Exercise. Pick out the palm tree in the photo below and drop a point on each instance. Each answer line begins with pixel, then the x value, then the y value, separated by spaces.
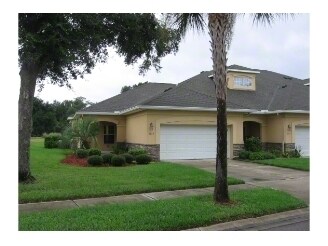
pixel 220 30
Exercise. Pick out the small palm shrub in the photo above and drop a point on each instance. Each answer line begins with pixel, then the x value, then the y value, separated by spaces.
pixel 95 160
pixel 128 158
pixel 107 158
pixel 82 153
pixel 253 144
pixel 137 151
pixel 143 159
pixel 94 151
pixel 118 160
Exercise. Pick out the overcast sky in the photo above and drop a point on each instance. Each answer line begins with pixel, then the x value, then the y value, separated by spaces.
pixel 282 47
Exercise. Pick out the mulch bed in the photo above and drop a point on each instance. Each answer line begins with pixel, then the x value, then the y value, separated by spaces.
pixel 75 161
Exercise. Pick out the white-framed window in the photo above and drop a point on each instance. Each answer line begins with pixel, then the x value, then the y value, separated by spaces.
pixel 109 134
pixel 242 81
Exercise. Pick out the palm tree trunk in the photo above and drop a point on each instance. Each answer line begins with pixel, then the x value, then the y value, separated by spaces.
pixel 219 25
pixel 25 108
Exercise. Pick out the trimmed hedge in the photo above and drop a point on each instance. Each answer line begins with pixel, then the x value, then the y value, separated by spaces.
pixel 118 160
pixel 82 153
pixel 51 140
pixel 95 160
pixel 128 158
pixel 143 159
pixel 107 158
pixel 137 151
pixel 94 151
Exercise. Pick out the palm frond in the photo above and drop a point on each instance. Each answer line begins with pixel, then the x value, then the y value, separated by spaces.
pixel 269 18
pixel 185 21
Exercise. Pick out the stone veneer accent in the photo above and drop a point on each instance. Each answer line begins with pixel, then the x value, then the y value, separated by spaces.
pixel 289 146
pixel 271 146
pixel 153 149
pixel 237 148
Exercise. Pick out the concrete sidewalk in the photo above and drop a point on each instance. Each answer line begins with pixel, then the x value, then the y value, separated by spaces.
pixel 294 220
pixel 152 196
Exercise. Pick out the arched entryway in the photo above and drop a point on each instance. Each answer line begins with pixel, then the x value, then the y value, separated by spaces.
pixel 251 129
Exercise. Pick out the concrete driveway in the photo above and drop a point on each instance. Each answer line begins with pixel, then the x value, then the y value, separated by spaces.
pixel 292 181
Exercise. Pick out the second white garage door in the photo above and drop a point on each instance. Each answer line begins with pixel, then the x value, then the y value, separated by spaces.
pixel 189 142
pixel 302 139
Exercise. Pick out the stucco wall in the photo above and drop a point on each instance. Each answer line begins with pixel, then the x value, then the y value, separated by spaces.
pixel 144 127
pixel 136 128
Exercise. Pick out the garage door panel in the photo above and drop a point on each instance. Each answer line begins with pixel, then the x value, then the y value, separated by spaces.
pixel 188 142
pixel 302 139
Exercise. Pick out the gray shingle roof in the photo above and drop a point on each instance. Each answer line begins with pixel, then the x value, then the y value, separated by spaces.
pixel 274 91
pixel 129 98
pixel 199 91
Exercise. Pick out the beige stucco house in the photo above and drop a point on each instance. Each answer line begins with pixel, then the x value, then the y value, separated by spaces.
pixel 179 121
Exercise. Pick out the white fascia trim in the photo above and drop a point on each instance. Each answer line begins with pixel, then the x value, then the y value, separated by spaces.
pixel 282 112
pixel 141 107
pixel 98 113
pixel 189 108
pixel 239 71
pixel 242 71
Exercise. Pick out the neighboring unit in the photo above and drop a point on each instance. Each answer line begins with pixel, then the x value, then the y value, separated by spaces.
pixel 179 121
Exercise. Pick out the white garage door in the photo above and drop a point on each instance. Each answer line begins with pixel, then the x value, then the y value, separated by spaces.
pixel 302 139
pixel 188 142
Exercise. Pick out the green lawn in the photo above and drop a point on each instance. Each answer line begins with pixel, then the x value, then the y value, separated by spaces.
pixel 57 181
pixel 294 163
pixel 173 214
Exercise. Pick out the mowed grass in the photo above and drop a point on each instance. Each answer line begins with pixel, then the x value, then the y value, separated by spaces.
pixel 57 181
pixel 174 214
pixel 302 164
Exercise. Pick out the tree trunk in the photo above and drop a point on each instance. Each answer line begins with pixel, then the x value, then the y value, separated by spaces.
pixel 219 25
pixel 25 107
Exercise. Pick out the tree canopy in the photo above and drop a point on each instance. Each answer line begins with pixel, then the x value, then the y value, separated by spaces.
pixel 52 117
pixel 129 87
pixel 65 46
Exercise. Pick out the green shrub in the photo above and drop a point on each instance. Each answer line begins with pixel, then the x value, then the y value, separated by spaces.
pixel 244 154
pixel 277 153
pixel 94 151
pixel 82 153
pixel 119 148
pixel 268 155
pixel 256 156
pixel 143 159
pixel 128 158
pixel 261 155
pixel 118 160
pixel 296 153
pixel 107 158
pixel 95 160
pixel 137 151
pixel 51 140
pixel 253 144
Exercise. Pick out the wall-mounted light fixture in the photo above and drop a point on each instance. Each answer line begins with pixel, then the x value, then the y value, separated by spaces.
pixel 151 127
pixel 289 127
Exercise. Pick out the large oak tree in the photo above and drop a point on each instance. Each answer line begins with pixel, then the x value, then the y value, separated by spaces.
pixel 60 47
